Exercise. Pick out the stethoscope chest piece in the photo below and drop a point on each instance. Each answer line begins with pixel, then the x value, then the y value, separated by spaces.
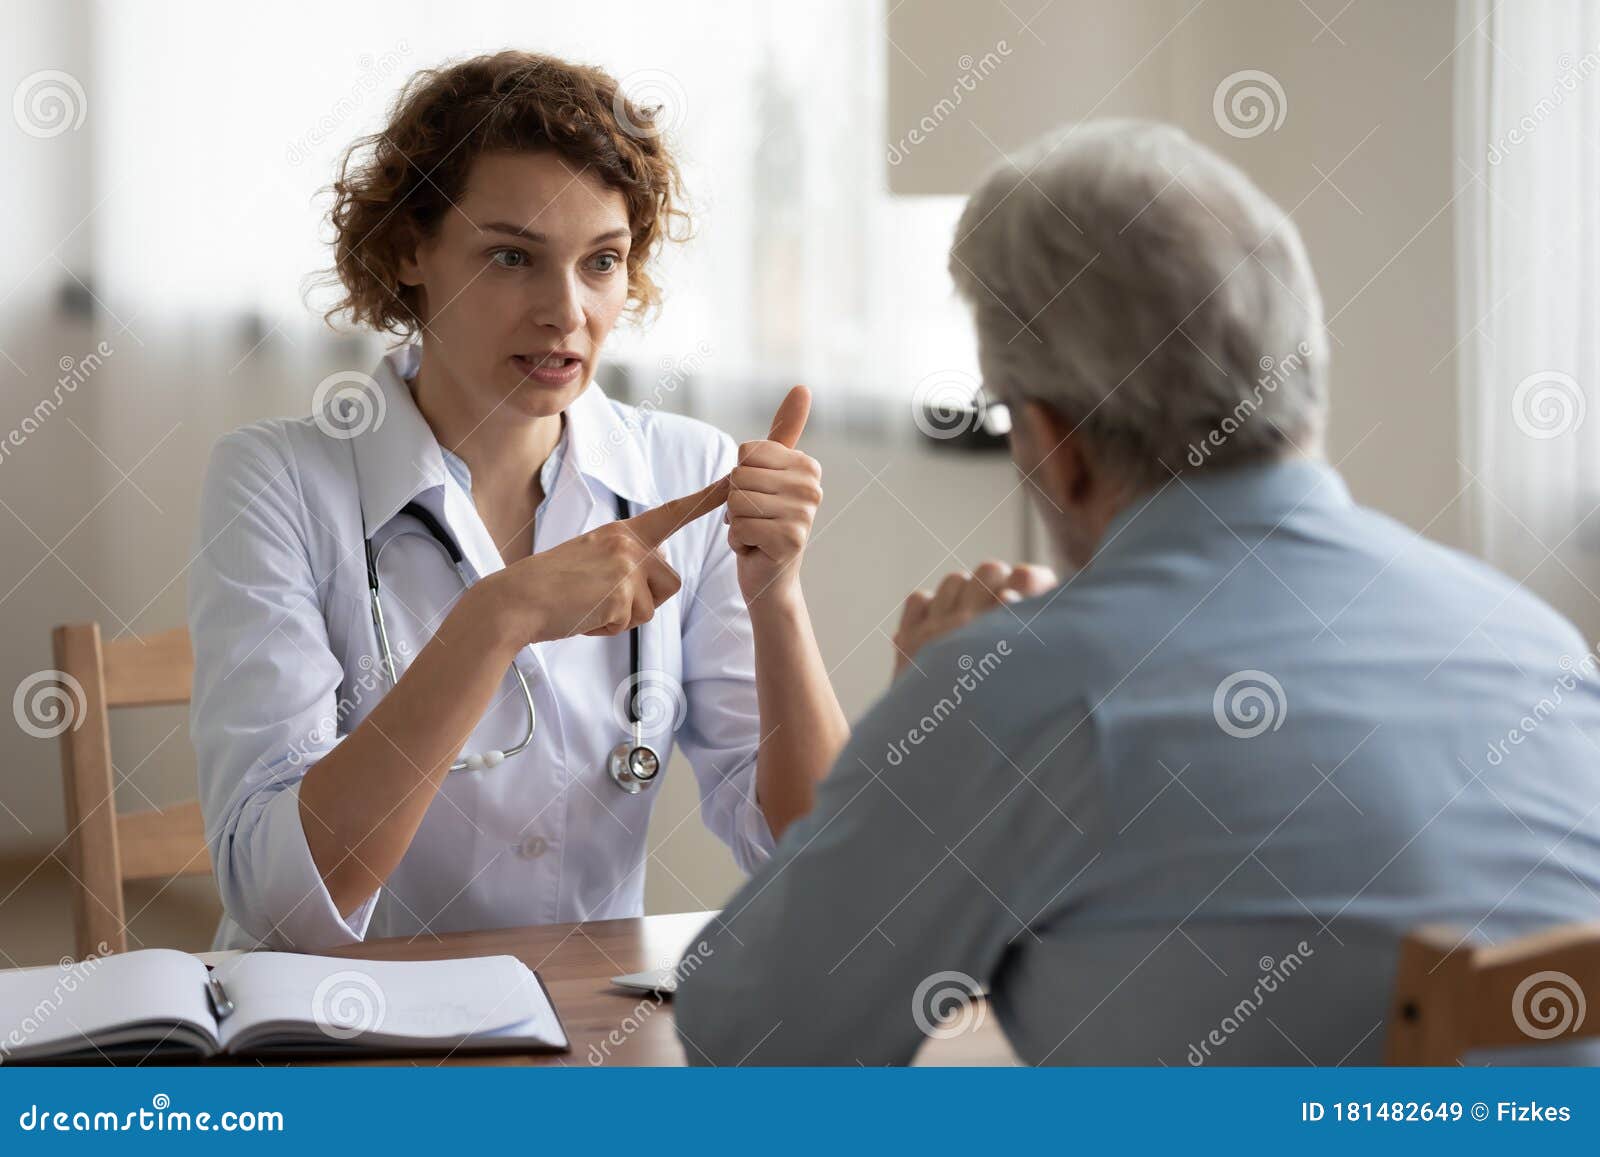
pixel 634 764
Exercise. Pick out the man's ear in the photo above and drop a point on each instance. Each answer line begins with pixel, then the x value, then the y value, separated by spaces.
pixel 1054 454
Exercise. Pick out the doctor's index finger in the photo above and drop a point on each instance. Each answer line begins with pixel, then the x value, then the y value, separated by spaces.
pixel 660 523
pixel 790 420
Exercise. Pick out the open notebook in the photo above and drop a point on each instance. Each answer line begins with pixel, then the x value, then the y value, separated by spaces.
pixel 157 1002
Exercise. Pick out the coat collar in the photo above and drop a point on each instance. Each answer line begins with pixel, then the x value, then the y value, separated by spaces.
pixel 398 458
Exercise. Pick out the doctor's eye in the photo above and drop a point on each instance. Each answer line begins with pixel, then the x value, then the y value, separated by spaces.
pixel 522 258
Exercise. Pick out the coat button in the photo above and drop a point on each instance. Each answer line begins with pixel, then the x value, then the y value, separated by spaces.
pixel 533 847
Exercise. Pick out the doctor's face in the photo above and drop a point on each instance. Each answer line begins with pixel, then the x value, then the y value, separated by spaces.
pixel 522 282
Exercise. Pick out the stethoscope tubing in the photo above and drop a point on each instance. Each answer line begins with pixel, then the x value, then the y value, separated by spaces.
pixel 633 764
pixel 477 761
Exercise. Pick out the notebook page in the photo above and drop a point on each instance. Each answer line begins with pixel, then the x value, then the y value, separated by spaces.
pixel 323 999
pixel 544 1027
pixel 50 1009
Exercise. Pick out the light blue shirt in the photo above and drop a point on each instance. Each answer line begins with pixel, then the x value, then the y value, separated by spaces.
pixel 548 473
pixel 1182 809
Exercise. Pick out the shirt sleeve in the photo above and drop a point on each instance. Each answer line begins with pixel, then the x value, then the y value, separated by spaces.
pixel 722 726
pixel 264 706
pixel 949 828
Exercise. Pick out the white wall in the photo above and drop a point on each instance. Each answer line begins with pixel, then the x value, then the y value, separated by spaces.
pixel 1368 102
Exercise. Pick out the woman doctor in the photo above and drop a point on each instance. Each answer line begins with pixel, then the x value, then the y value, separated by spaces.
pixel 503 222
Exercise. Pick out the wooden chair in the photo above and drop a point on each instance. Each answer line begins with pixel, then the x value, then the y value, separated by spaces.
pixel 104 848
pixel 1452 997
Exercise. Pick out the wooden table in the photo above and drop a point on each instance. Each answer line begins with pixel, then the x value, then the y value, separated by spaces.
pixel 577 962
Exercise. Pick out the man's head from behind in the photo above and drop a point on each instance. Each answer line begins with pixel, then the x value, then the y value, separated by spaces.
pixel 1145 311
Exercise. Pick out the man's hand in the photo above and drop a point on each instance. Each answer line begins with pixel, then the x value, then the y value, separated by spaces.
pixel 962 597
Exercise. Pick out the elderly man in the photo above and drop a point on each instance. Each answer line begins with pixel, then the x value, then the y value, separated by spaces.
pixel 1181 808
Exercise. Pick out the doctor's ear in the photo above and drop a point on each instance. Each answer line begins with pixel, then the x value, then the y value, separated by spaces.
pixel 410 269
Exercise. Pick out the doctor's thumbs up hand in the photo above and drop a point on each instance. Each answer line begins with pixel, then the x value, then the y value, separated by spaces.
pixel 773 496
pixel 601 583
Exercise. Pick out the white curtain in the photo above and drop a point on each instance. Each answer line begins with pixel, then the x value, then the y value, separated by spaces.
pixel 1528 246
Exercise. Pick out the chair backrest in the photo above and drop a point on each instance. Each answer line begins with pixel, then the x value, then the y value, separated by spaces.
pixel 1451 997
pixel 104 848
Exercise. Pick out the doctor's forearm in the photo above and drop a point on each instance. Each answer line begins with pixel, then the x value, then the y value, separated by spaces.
pixel 803 728
pixel 362 803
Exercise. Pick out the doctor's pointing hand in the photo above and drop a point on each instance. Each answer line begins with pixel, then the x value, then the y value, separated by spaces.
pixel 613 578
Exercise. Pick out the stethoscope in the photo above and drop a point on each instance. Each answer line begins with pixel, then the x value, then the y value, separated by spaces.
pixel 633 763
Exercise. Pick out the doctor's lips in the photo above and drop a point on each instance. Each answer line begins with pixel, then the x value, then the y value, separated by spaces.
pixel 549 367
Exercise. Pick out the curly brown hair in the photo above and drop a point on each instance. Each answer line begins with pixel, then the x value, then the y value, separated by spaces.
pixel 395 185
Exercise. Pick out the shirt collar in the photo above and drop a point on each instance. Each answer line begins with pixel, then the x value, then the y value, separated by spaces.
pixel 547 473
pixel 1261 496
pixel 398 457
pixel 607 448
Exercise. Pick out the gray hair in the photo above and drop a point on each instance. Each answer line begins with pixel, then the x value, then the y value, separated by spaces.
pixel 1144 289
